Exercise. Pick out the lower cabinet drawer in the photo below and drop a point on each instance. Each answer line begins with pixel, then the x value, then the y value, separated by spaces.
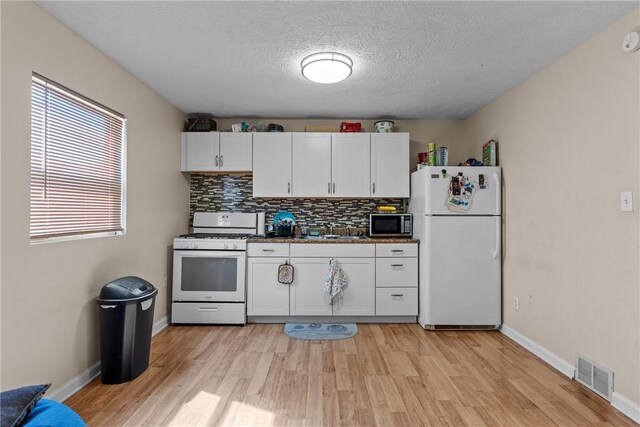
pixel 397 272
pixel 396 301
pixel 209 313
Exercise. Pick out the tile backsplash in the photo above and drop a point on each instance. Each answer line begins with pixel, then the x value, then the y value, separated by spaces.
pixel 233 193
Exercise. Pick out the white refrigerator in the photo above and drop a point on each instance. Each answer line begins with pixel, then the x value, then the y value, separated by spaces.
pixel 457 217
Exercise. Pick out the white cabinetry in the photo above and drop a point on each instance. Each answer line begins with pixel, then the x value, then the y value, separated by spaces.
pixel 397 279
pixel 331 165
pixel 200 151
pixel 350 165
pixel 300 164
pixel 390 165
pixel 311 164
pixel 265 295
pixel 307 296
pixel 235 151
pixel 272 164
pixel 311 263
pixel 382 279
pixel 216 152
pixel 359 296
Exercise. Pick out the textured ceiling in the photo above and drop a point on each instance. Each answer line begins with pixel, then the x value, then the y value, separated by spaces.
pixel 411 59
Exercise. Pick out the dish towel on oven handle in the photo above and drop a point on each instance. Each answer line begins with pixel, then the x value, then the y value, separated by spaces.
pixel 335 281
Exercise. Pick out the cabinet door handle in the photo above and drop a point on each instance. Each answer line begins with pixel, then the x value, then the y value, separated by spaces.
pixel 329 188
pixel 288 187
pixel 397 265
pixel 207 308
pixel 268 250
pixel 217 161
pixel 397 295
pixel 397 251
pixel 220 160
pixel 334 188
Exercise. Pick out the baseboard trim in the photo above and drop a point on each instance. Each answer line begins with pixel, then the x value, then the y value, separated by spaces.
pixel 331 319
pixel 69 388
pixel 75 384
pixel 160 325
pixel 626 406
pixel 618 401
pixel 543 353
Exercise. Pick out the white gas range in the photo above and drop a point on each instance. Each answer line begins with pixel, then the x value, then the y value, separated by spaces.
pixel 209 268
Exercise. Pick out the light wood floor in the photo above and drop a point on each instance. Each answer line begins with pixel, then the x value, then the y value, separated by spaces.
pixel 387 375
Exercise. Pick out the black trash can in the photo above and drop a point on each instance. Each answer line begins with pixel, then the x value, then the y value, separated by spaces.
pixel 126 319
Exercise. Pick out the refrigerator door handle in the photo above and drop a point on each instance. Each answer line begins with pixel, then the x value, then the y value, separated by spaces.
pixel 496 182
pixel 497 247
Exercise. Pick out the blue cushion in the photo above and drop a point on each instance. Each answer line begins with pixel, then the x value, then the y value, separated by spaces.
pixel 15 404
pixel 51 413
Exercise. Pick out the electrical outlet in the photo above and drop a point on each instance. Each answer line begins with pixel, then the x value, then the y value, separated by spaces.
pixel 516 303
pixel 626 201
pixel 530 296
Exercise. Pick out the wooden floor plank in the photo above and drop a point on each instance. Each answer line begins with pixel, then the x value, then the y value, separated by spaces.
pixel 386 375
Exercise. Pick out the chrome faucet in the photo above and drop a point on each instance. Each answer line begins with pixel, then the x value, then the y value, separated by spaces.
pixel 348 230
pixel 331 228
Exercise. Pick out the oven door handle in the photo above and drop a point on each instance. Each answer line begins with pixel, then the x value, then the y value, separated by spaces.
pixel 205 253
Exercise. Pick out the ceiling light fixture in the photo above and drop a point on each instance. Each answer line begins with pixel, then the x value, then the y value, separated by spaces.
pixel 326 67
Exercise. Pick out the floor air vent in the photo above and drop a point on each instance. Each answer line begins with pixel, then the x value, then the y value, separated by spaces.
pixel 594 376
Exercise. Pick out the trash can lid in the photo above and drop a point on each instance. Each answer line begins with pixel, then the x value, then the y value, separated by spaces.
pixel 130 287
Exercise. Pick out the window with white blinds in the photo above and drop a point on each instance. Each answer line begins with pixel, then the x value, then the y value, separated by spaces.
pixel 77 164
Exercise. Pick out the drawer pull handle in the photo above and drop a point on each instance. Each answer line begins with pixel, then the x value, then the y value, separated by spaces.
pixel 268 250
pixel 207 308
pixel 397 265
pixel 397 295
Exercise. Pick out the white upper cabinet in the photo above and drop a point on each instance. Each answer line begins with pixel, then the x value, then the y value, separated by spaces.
pixel 235 151
pixel 311 164
pixel 300 164
pixel 272 164
pixel 200 151
pixel 216 151
pixel 350 164
pixel 390 165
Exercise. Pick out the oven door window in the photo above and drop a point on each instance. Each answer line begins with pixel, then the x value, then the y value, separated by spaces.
pixel 209 274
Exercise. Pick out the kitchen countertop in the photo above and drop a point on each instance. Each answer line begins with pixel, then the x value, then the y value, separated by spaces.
pixel 339 241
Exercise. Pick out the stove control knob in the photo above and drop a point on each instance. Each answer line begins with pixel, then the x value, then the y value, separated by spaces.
pixel 194 246
pixel 226 246
pixel 235 246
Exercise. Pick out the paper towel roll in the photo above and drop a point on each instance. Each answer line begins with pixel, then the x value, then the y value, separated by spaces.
pixel 261 223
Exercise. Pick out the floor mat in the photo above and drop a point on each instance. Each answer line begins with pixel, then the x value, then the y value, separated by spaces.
pixel 320 331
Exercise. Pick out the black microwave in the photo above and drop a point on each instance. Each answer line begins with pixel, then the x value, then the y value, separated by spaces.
pixel 390 225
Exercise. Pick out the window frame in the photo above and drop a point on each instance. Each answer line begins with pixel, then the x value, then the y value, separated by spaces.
pixel 91 104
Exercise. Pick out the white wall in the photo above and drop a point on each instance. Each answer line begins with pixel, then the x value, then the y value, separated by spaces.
pixel 49 319
pixel 569 144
